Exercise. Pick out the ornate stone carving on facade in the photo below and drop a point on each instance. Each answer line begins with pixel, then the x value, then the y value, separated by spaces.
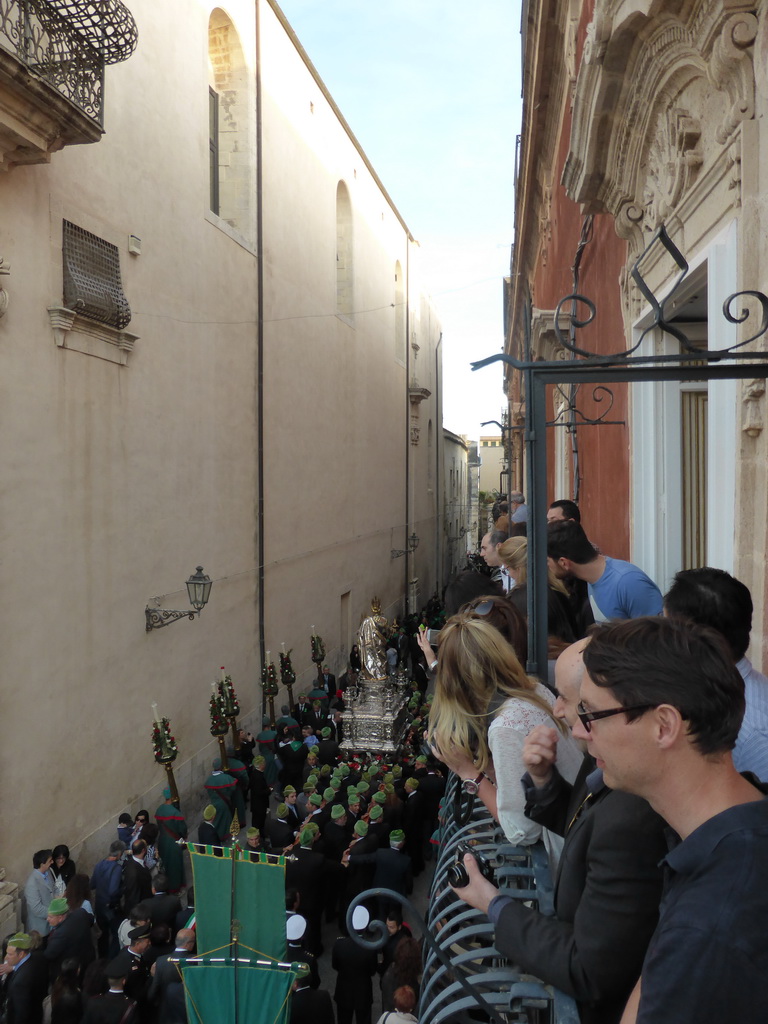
pixel 753 406
pixel 415 431
pixel 4 271
pixel 730 70
pixel 545 222
pixel 655 101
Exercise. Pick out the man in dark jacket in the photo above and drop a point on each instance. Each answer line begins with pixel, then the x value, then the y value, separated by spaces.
pixel 308 1004
pixel 355 968
pixel 27 983
pixel 137 880
pixel 392 867
pixel 164 906
pixel 608 884
pixel 106 881
pixel 306 873
pixel 70 936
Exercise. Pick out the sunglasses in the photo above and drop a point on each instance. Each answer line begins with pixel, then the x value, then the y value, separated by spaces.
pixel 588 717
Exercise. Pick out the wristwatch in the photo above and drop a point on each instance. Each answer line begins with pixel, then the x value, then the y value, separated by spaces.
pixel 472 785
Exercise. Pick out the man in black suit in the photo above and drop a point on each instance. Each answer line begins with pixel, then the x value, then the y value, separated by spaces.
pixel 165 972
pixel 137 976
pixel 137 880
pixel 164 905
pixel 308 1004
pixel 329 682
pixel 392 867
pixel 414 811
pixel 27 984
pixel 608 884
pixel 307 874
pixel 279 832
pixel 355 967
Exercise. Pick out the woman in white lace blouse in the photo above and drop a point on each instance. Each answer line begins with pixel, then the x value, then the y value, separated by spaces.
pixel 484 707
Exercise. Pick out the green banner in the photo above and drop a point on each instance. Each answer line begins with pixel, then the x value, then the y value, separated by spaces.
pixel 241 994
pixel 258 906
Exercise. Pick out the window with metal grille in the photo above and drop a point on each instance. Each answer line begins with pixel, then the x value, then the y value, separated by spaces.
pixel 92 285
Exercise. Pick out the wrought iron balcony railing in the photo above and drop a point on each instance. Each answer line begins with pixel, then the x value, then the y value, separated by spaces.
pixel 67 43
pixel 465 978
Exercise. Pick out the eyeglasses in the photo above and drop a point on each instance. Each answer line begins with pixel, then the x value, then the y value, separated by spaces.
pixel 588 717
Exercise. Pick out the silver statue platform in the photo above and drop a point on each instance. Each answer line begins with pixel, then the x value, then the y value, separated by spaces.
pixel 376 719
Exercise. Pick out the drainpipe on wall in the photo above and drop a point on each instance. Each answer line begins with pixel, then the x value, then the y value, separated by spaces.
pixel 408 552
pixel 260 359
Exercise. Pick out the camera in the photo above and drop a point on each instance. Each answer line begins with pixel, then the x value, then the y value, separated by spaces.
pixel 433 637
pixel 457 875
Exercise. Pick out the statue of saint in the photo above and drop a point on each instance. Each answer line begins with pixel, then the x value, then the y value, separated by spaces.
pixel 372 640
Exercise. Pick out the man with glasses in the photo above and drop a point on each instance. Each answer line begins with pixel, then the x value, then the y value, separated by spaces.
pixel 608 883
pixel 661 708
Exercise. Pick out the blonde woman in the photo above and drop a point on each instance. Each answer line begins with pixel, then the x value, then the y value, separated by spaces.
pixel 484 707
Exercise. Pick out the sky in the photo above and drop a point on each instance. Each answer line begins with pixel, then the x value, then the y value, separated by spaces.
pixel 431 89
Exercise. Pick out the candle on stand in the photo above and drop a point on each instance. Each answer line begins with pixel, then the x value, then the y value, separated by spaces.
pixel 222 673
pixel 313 630
pixel 155 712
pixel 267 657
pixel 283 646
pixel 215 689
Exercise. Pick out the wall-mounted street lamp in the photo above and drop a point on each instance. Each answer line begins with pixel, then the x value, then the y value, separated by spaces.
pixel 413 543
pixel 199 590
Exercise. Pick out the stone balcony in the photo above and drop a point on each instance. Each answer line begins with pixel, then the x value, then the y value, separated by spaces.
pixel 52 59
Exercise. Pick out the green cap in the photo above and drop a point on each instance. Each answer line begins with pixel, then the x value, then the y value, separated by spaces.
pixel 389 788
pixel 344 770
pixel 396 835
pixel 20 941
pixel 312 827
pixel 325 770
pixel 421 759
pixel 337 811
pixel 58 906
pixel 363 787
pixel 389 777
pixel 312 780
pixel 287 790
pixel 316 800
pixel 361 828
pixel 329 794
pixel 306 836
pixel 209 812
pixel 259 762
pixel 282 810
pixel 397 771
pixel 379 798
pixel 412 783
pixel 326 732
pixel 252 831
pixel 375 812
pixel 352 791
pixel 336 784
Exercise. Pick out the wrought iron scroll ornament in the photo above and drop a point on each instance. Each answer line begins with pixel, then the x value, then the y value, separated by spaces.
pixel 659 321
pixel 600 393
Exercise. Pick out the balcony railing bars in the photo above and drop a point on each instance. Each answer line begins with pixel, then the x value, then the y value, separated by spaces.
pixel 66 43
pixel 465 978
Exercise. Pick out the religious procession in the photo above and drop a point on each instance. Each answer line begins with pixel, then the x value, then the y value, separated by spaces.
pixel 313 831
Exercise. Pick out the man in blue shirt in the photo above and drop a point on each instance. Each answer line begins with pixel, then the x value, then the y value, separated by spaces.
pixel 617 589
pixel 661 707
pixel 714 598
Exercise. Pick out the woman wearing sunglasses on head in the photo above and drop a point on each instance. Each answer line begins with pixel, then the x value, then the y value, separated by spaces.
pixel 484 707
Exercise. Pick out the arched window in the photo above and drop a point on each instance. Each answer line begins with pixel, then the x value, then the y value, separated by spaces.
pixel 400 317
pixel 232 163
pixel 345 264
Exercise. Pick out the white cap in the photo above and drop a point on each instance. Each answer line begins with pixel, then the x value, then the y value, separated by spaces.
pixel 360 919
pixel 295 927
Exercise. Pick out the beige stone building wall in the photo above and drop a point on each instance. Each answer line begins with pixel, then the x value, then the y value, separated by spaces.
pixel 491 454
pixel 123 470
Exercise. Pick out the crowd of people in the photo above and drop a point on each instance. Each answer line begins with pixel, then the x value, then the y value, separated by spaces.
pixel 641 769
pixel 104 947
pixel 638 764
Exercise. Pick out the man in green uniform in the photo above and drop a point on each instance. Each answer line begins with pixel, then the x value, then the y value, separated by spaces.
pixel 222 790
pixel 172 826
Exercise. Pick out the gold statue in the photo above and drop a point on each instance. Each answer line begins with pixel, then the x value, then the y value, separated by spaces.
pixel 372 640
